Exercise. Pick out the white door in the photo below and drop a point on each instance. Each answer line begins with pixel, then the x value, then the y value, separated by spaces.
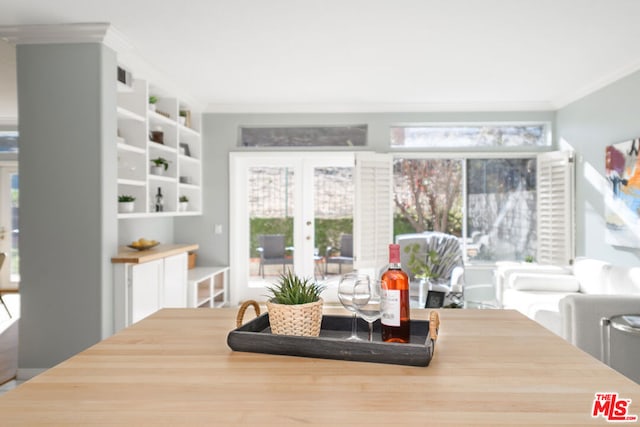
pixel 9 273
pixel 285 188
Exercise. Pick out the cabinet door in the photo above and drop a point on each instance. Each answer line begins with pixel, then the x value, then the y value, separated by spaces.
pixel 175 281
pixel 144 289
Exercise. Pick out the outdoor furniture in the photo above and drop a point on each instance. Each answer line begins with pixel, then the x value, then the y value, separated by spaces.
pixel 273 251
pixel 345 253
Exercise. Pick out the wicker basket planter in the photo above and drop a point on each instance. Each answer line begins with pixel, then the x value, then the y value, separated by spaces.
pixel 298 319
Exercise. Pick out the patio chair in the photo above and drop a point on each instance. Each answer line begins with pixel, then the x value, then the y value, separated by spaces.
pixel 345 253
pixel 272 251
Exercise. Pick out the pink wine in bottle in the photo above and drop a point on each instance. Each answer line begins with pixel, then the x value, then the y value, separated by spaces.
pixel 395 300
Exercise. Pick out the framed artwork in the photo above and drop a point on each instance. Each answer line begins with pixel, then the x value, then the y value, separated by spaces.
pixel 184 149
pixel 435 299
pixel 622 198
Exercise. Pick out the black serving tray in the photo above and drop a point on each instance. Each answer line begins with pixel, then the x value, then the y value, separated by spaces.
pixel 255 336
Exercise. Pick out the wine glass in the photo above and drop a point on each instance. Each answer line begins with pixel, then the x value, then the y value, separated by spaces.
pixel 367 299
pixel 345 295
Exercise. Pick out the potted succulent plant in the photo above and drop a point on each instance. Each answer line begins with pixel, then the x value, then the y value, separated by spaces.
pixel 152 103
pixel 295 306
pixel 160 165
pixel 183 206
pixel 182 119
pixel 126 203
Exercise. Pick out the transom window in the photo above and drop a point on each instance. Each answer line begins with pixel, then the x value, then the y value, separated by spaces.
pixel 304 136
pixel 471 136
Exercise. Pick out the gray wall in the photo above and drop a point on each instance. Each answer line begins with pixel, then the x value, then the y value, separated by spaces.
pixel 220 137
pixel 607 116
pixel 68 204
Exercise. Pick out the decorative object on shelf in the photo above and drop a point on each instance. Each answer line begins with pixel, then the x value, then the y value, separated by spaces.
pixel 191 260
pixel 157 136
pixel 163 114
pixel 187 117
pixel 184 204
pixel 184 149
pixel 160 166
pixel 143 244
pixel 159 201
pixel 295 306
pixel 126 203
pixel 182 119
pixel 152 103
pixel 185 180
pixel 125 77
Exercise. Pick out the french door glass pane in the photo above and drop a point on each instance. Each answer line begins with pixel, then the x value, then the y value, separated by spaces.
pixel 501 209
pixel 333 201
pixel 271 213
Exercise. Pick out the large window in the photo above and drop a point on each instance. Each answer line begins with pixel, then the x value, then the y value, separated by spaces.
pixel 489 204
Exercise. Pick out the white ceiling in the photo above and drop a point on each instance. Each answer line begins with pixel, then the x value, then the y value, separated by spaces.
pixel 362 55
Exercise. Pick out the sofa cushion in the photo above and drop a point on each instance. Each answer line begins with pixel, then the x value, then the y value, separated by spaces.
pixel 530 302
pixel 622 281
pixel 544 282
pixel 592 274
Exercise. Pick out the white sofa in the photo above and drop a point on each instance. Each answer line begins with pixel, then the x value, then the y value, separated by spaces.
pixel 570 301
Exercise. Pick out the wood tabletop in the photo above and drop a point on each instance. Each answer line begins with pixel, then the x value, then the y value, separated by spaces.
pixel 491 367
pixel 133 256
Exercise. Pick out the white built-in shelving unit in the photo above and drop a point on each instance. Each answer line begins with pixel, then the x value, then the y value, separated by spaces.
pixel 136 149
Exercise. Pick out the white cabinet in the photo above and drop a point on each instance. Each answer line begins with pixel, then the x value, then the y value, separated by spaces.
pixel 175 281
pixel 145 135
pixel 142 288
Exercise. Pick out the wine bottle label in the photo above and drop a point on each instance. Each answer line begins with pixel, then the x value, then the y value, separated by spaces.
pixel 390 315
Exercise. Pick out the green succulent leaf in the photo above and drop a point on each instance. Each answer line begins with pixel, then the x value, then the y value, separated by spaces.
pixel 291 290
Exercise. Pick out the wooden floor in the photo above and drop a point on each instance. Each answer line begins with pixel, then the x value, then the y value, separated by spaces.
pixel 9 337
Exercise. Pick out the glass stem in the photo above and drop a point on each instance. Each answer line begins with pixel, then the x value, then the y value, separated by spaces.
pixel 370 331
pixel 354 326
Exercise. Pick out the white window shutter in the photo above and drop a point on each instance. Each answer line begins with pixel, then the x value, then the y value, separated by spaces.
pixel 373 210
pixel 555 186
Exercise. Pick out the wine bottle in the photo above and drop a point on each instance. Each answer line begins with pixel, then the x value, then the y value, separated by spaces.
pixel 395 300
pixel 159 201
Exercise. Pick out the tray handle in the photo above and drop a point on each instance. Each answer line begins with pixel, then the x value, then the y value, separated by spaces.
pixel 434 325
pixel 243 308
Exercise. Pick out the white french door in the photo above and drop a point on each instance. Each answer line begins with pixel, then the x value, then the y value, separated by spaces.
pixel 287 193
pixel 9 273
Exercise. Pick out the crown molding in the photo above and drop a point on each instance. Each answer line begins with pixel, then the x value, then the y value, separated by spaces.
pixel 98 32
pixel 595 86
pixel 233 108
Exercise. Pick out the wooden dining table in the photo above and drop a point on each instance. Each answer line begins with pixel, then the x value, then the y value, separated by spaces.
pixel 490 367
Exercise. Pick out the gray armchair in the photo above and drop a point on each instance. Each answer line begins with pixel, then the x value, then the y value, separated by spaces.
pixel 272 251
pixel 345 253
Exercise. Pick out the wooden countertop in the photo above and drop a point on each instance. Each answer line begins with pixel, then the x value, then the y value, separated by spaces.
pixel 491 367
pixel 133 256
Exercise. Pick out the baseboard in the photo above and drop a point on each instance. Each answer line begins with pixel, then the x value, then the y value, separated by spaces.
pixel 25 374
